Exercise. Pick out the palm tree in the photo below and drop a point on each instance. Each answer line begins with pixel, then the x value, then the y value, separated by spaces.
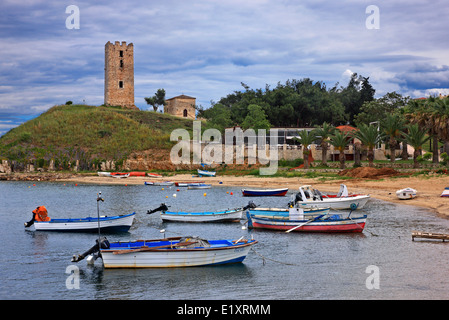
pixel 416 138
pixel 369 136
pixel 324 133
pixel 442 122
pixel 306 138
pixel 393 127
pixel 340 140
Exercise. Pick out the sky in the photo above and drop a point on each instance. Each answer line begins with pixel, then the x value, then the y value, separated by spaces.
pixel 207 48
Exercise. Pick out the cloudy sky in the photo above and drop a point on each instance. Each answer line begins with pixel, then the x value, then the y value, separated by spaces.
pixel 206 48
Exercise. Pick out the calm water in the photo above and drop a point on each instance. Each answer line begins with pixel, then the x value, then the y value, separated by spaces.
pixel 281 266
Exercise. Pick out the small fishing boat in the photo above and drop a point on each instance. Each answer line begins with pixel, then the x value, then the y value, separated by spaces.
pixel 445 192
pixel 104 174
pixel 199 186
pixel 120 223
pixel 169 252
pixel 205 173
pixel 321 223
pixel 186 184
pixel 119 175
pixel 309 197
pixel 137 174
pixel 264 192
pixel 406 193
pixel 159 183
pixel 204 216
pixel 154 175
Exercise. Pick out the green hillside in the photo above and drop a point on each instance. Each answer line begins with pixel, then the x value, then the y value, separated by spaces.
pixel 88 134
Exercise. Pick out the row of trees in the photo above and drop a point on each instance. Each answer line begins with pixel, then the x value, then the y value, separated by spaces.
pixel 297 103
pixel 368 135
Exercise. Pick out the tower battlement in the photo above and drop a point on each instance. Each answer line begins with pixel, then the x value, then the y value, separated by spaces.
pixel 119 75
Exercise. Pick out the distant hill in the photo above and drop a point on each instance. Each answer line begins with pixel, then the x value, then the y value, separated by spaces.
pixel 89 134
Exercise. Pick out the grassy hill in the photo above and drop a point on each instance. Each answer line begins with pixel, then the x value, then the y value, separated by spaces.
pixel 89 134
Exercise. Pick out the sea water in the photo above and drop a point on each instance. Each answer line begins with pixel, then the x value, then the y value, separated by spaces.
pixel 381 263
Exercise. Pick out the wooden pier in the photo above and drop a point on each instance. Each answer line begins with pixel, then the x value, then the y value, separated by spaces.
pixel 429 235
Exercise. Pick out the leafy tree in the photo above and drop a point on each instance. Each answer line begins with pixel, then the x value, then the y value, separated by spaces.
pixel 340 140
pixel 256 118
pixel 157 100
pixel 219 116
pixel 377 109
pixel 416 138
pixel 306 138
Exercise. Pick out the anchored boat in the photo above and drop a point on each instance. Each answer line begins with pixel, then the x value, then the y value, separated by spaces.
pixel 169 252
pixel 307 197
pixel 264 192
pixel 299 222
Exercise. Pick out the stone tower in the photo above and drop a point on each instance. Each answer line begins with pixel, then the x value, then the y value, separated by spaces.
pixel 119 75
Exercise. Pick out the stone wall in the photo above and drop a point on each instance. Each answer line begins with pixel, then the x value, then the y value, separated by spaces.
pixel 181 106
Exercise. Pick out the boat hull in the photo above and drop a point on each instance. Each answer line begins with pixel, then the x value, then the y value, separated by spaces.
pixel 350 202
pixel 326 226
pixel 161 183
pixel 264 193
pixel 109 224
pixel 198 186
pixel 229 215
pixel 406 194
pixel 277 212
pixel 203 173
pixel 220 252
pixel 186 184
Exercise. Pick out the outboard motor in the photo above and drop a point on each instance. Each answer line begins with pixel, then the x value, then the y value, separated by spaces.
pixel 250 205
pixel 162 207
pixel 104 244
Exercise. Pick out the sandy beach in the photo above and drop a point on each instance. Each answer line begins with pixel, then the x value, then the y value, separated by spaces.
pixel 429 187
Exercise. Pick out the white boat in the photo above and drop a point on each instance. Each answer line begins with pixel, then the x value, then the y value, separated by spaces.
pixel 119 175
pixel 445 192
pixel 199 186
pixel 307 197
pixel 170 252
pixel 103 174
pixel 205 173
pixel 406 193
pixel 206 216
pixel 159 183
pixel 186 184
pixel 120 223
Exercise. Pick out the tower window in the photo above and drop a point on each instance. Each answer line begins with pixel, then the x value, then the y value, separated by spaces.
pixel 120 84
pixel 121 53
pixel 184 113
pixel 121 63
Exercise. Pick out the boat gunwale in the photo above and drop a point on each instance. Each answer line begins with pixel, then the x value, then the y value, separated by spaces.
pixel 204 213
pixel 180 249
pixel 87 219
pixel 265 218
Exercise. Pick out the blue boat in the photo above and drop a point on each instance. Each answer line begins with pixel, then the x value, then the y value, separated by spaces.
pixel 264 192
pixel 205 173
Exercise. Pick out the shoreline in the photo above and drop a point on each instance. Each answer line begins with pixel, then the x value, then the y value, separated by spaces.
pixel 429 188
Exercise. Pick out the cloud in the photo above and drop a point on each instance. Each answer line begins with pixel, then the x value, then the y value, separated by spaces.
pixel 205 48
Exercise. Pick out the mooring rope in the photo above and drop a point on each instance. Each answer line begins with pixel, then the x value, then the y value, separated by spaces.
pixel 265 258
